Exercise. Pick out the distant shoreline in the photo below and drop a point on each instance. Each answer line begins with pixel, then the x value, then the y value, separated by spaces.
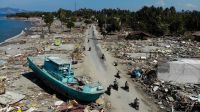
pixel 14 37
pixel 17 18
pixel 19 34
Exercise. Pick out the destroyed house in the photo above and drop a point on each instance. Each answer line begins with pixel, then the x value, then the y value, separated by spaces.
pixel 137 35
pixel 196 35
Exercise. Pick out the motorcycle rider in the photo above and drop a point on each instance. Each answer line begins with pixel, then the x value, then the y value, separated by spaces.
pixel 117 74
pixel 136 103
pixel 126 85
pixel 116 84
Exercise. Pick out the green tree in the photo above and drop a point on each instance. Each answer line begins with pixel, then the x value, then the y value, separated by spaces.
pixel 62 15
pixel 48 19
pixel 155 20
pixel 192 20
pixel 73 19
pixel 176 26
pixel 87 21
pixel 70 24
pixel 113 25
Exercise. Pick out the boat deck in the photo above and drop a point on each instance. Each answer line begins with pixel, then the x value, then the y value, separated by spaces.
pixel 39 61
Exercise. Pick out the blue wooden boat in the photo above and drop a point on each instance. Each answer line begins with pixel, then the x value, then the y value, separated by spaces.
pixel 59 75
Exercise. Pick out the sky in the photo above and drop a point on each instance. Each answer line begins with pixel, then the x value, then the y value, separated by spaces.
pixel 134 5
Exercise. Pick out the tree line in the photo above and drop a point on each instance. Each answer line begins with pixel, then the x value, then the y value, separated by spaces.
pixel 154 20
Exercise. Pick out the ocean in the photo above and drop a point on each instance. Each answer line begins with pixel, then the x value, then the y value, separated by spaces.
pixel 10 28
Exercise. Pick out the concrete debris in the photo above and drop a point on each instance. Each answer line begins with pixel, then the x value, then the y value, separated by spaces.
pixel 155 88
pixel 58 103
pixel 10 98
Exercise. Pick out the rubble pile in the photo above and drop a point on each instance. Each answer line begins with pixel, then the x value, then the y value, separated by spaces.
pixel 148 55
pixel 152 48
pixel 168 95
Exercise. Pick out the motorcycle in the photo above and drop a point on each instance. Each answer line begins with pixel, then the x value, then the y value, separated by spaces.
pixel 102 56
pixel 108 91
pixel 115 63
pixel 136 104
pixel 117 75
pixel 89 49
pixel 115 86
pixel 126 87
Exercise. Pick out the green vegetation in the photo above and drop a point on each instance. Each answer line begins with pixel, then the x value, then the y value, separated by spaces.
pixel 63 15
pixel 48 19
pixel 28 14
pixel 70 25
pixel 154 20
pixel 88 21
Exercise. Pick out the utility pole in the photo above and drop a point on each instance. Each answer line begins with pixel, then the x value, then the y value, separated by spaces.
pixel 75 5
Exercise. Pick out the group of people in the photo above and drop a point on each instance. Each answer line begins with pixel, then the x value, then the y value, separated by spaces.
pixel 89 49
pixel 115 86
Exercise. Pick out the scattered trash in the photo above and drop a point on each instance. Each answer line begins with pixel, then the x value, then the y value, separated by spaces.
pixel 155 88
pixel 57 103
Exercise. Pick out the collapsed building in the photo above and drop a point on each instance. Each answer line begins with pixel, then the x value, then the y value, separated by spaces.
pixel 137 35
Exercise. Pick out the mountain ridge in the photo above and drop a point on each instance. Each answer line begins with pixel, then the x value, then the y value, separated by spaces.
pixel 8 10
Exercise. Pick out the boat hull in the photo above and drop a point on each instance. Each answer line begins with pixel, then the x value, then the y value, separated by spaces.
pixel 60 87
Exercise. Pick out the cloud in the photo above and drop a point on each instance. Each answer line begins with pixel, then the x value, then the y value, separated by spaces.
pixel 190 6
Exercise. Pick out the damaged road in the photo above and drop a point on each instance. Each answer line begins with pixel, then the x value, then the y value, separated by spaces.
pixel 104 71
